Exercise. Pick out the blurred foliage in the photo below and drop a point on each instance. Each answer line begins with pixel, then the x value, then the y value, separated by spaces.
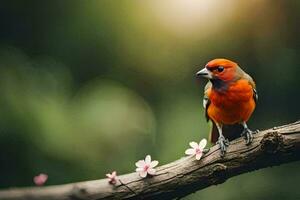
pixel 91 87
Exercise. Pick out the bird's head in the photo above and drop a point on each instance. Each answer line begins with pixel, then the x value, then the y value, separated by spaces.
pixel 220 69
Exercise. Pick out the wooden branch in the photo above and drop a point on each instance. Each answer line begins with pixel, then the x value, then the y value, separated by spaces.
pixel 184 176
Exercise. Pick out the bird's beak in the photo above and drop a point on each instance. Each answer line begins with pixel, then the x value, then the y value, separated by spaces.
pixel 204 73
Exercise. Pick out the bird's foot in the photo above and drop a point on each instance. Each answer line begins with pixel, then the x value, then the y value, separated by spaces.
pixel 223 143
pixel 248 135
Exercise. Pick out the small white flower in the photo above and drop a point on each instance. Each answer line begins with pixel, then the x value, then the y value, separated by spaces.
pixel 197 149
pixel 146 166
pixel 112 178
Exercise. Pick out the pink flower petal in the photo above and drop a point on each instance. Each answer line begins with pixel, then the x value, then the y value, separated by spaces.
pixel 198 156
pixel 202 144
pixel 154 163
pixel 40 179
pixel 140 163
pixel 190 152
pixel 114 173
pixel 194 145
pixel 143 174
pixel 112 178
pixel 151 171
pixel 139 169
pixel 148 160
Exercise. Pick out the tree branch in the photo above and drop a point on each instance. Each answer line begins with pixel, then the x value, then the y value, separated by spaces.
pixel 184 176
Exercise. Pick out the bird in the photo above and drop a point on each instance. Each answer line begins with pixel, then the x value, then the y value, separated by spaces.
pixel 230 98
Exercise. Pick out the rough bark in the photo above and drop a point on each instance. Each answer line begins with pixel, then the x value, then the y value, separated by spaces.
pixel 177 179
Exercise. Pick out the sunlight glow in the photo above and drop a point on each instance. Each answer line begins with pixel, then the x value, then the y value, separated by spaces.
pixel 188 16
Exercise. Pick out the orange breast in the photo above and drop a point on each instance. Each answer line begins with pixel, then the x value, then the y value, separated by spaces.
pixel 234 105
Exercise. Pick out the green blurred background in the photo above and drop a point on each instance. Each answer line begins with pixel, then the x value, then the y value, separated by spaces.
pixel 88 87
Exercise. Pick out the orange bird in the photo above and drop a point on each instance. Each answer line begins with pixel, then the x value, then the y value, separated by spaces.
pixel 229 99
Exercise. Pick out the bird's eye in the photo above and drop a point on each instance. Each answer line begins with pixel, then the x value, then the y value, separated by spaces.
pixel 220 68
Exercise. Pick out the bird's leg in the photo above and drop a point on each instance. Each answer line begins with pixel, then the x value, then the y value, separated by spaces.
pixel 222 141
pixel 247 134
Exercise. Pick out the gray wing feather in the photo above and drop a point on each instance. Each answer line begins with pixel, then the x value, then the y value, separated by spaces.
pixel 206 100
pixel 252 83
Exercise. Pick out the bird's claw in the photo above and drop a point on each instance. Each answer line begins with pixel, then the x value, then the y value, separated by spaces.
pixel 223 143
pixel 248 135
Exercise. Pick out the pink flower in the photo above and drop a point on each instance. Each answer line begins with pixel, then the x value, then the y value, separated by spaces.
pixel 197 149
pixel 40 179
pixel 146 166
pixel 112 178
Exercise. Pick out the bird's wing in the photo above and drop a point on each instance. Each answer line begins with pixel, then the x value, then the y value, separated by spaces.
pixel 255 95
pixel 213 135
pixel 252 83
pixel 206 100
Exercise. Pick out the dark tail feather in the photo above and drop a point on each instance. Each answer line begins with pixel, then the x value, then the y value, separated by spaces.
pixel 230 132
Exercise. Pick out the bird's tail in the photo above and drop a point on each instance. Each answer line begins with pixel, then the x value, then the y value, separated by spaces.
pixel 230 132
